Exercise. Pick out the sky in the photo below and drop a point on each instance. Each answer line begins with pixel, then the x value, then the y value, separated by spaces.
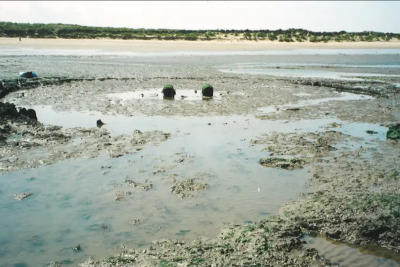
pixel 383 16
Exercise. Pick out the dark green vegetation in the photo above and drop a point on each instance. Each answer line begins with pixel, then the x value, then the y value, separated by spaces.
pixel 393 132
pixel 38 30
pixel 168 91
pixel 207 90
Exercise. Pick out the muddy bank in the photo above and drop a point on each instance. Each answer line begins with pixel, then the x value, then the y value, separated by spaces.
pixel 356 197
pixel 377 104
pixel 270 242
pixel 234 94
pixel 27 143
pixel 8 115
pixel 50 144
pixel 375 88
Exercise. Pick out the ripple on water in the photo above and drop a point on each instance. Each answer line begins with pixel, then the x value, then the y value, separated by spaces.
pixel 353 256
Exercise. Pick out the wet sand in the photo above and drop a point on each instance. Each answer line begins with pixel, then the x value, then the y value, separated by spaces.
pixel 156 46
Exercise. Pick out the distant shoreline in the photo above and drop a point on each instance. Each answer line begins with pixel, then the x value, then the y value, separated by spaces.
pixel 178 45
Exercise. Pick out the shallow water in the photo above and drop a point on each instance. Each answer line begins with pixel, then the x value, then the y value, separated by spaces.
pixel 308 73
pixel 181 94
pixel 343 255
pixel 289 65
pixel 343 96
pixel 73 198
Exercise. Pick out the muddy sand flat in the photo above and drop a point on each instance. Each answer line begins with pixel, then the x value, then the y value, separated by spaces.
pixel 259 174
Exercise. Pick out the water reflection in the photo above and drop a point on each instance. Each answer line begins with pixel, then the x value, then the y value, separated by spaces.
pixel 347 255
pixel 153 94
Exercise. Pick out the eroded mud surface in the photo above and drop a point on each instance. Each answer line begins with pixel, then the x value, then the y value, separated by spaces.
pixel 351 168
pixel 30 146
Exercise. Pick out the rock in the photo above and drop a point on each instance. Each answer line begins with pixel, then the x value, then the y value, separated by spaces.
pixel 207 90
pixel 287 164
pixel 333 234
pixel 168 91
pixel 393 132
pixel 136 222
pixel 335 125
pixel 23 111
pixel 144 186
pixel 120 195
pixel 19 95
pixel 8 109
pixel 31 113
pixel 181 188
pixel 99 123
pixel 22 196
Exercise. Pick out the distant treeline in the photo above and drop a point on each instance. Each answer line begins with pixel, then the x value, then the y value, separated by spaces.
pixel 69 31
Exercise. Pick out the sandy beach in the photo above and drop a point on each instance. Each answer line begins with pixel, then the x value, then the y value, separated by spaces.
pixel 155 46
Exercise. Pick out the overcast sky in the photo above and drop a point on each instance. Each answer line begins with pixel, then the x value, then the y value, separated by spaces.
pixel 313 15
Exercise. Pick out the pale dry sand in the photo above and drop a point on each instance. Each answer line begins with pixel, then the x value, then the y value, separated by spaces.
pixel 155 46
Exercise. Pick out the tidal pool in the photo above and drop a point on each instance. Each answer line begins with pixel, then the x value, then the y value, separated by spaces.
pixel 73 199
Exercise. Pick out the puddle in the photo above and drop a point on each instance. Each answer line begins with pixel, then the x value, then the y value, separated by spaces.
pixel 152 94
pixel 360 130
pixel 302 94
pixel 308 73
pixel 313 102
pixel 343 255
